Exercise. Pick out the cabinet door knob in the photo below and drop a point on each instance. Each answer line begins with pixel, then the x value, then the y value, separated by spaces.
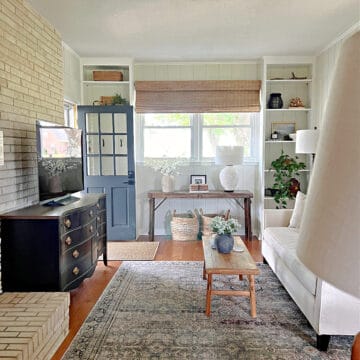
pixel 91 228
pixel 68 223
pixel 76 270
pixel 75 254
pixel 91 213
pixel 68 240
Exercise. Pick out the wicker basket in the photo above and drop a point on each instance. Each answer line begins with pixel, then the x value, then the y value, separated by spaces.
pixel 184 227
pixel 205 220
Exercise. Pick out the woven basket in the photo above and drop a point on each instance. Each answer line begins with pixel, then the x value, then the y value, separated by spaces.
pixel 205 220
pixel 184 227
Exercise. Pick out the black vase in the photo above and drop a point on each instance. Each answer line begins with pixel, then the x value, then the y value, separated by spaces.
pixel 224 243
pixel 275 101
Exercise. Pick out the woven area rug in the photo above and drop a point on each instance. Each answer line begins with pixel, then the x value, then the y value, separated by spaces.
pixel 132 250
pixel 155 310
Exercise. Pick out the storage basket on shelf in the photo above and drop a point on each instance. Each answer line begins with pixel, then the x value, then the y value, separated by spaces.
pixel 205 220
pixel 184 227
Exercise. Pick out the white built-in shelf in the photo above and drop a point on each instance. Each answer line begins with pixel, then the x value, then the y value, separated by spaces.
pixel 299 81
pixel 289 109
pixel 279 141
pixel 91 82
pixel 272 170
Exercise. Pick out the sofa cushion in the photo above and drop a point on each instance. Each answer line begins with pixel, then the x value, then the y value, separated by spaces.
pixel 284 241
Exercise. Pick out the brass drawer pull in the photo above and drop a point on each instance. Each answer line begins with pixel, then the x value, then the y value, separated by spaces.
pixel 98 205
pixel 91 228
pixel 67 223
pixel 75 254
pixel 98 218
pixel 68 240
pixel 91 213
pixel 76 270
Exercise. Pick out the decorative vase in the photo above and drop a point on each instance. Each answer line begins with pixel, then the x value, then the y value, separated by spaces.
pixel 168 183
pixel 275 101
pixel 224 243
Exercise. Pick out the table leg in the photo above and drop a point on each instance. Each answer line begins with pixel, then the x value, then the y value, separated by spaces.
pixel 240 277
pixel 208 295
pixel 204 272
pixel 252 296
pixel 151 218
pixel 247 213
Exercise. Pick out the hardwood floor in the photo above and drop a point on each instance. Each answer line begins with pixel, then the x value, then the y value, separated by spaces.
pixel 86 295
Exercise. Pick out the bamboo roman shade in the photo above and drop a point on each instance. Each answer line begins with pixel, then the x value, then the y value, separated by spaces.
pixel 197 96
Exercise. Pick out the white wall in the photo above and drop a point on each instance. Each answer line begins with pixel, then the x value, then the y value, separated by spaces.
pixel 324 71
pixel 72 79
pixel 148 180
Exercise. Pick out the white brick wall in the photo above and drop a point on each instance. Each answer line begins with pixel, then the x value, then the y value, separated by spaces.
pixel 31 88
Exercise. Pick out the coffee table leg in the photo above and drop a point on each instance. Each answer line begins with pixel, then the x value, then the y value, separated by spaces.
pixel 240 277
pixel 208 295
pixel 204 272
pixel 252 296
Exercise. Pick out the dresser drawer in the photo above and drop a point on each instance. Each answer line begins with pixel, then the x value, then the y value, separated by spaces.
pixel 76 270
pixel 75 237
pixel 88 214
pixel 100 217
pixel 70 221
pixel 71 257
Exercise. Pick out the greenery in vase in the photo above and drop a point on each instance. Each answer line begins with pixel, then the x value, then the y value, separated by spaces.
pixel 165 166
pixel 286 167
pixel 221 226
pixel 117 99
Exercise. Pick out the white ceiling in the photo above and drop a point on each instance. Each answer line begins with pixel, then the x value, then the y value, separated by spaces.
pixel 198 30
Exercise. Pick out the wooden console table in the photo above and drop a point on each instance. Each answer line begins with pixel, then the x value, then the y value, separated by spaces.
pixel 245 195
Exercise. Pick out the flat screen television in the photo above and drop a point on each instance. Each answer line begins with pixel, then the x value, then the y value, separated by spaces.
pixel 60 166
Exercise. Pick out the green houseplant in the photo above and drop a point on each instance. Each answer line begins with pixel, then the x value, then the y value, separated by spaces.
pixel 285 185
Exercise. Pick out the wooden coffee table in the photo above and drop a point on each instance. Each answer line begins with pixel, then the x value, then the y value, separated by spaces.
pixel 235 263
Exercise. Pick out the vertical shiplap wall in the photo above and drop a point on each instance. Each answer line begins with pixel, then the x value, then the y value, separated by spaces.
pixel 324 72
pixel 147 179
pixel 72 79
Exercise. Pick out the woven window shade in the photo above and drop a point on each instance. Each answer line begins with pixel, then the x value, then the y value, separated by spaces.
pixel 197 96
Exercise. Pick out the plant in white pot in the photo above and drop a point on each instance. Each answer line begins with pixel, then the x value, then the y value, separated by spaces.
pixel 224 228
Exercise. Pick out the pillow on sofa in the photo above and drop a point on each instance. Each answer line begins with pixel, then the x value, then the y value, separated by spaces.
pixel 297 213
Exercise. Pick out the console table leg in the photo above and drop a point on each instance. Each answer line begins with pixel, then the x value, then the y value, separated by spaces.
pixel 208 295
pixel 247 212
pixel 151 218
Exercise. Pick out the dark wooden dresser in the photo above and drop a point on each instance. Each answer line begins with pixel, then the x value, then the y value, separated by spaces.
pixel 53 248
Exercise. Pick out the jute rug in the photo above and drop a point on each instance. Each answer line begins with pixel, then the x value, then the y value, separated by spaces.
pixel 132 250
pixel 155 310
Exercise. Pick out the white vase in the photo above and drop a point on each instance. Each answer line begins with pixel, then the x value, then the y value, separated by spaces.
pixel 168 183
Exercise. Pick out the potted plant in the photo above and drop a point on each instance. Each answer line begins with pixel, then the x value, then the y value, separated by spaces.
pixel 117 99
pixel 285 185
pixel 224 228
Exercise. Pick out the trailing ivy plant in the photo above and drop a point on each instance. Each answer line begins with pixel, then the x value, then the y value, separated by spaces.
pixel 286 167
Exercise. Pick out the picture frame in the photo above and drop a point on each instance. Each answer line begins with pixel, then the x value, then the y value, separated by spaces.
pixel 198 179
pixel 283 129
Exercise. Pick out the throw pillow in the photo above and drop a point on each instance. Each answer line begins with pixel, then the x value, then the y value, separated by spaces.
pixel 297 213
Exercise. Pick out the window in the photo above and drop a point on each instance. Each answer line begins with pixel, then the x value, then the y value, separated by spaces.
pixel 69 114
pixel 195 136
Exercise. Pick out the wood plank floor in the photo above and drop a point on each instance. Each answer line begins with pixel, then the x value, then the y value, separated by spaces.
pixel 86 295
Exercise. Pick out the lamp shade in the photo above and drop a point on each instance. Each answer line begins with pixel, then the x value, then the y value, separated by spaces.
pixel 329 238
pixel 229 155
pixel 306 141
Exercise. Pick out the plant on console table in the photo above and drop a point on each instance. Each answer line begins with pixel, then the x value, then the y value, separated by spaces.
pixel 168 168
pixel 224 228
pixel 286 185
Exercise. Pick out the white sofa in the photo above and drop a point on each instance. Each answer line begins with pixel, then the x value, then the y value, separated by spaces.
pixel 329 310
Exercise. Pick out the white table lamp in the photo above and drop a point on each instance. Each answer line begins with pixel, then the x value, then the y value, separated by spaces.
pixel 306 141
pixel 229 156
pixel 329 238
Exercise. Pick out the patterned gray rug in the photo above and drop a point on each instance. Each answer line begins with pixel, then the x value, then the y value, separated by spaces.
pixel 155 310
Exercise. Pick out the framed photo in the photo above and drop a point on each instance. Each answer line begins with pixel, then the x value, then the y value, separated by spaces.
pixel 198 179
pixel 283 129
